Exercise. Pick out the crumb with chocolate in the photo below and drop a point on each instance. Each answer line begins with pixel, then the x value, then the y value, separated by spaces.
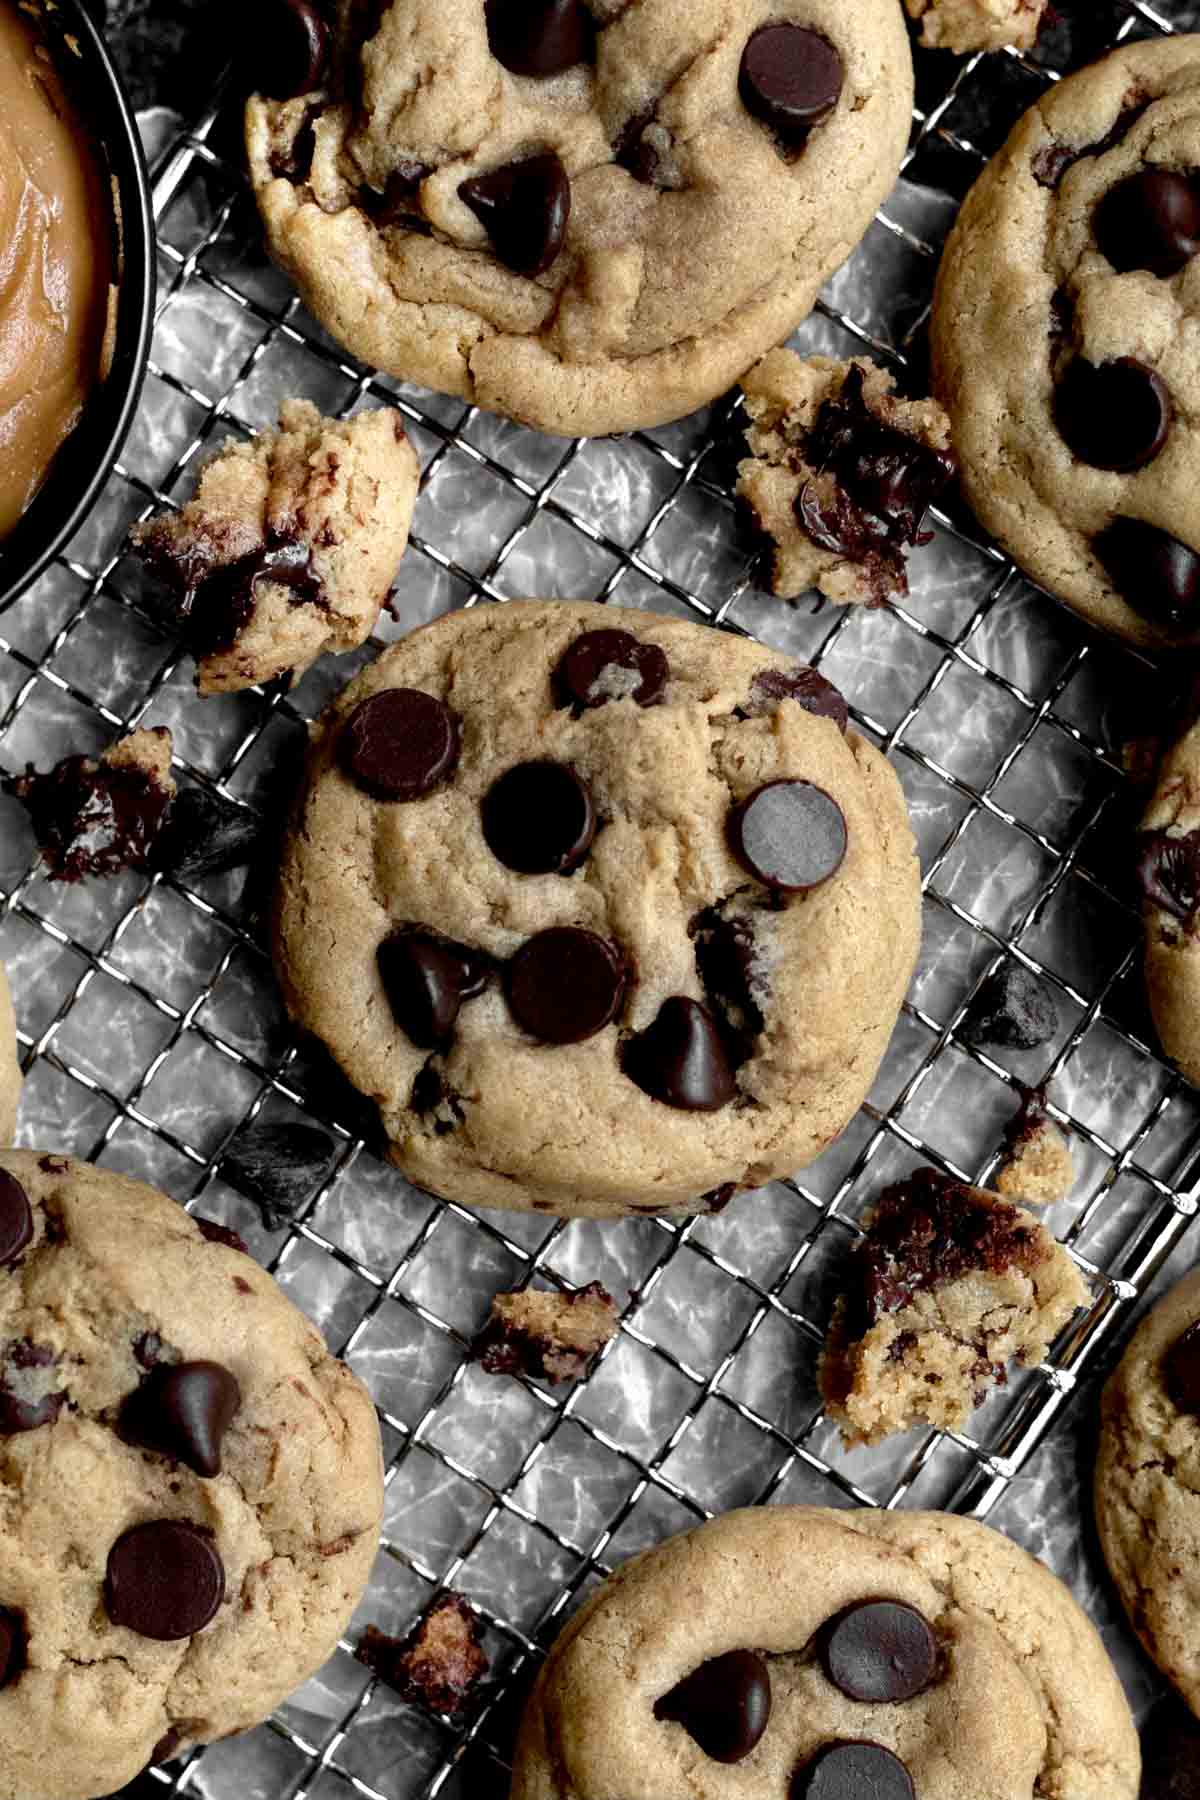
pixel 99 815
pixel 441 1661
pixel 1037 1165
pixel 548 1336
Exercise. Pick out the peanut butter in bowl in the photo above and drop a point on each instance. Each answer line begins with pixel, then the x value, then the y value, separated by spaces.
pixel 56 262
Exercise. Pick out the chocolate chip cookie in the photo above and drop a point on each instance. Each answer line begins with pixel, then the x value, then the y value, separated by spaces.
pixel 192 1484
pixel 793 1651
pixel 1062 342
pixel 10 1068
pixel 591 215
pixel 1147 1482
pixel 1168 867
pixel 605 911
pixel 967 25
pixel 289 545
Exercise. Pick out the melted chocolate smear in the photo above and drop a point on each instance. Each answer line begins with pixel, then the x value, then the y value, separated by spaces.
pixel 426 979
pixel 805 686
pixel 219 602
pixel 724 1705
pixel 884 481
pixel 1052 161
pixel 1168 869
pixel 90 818
pixel 1157 574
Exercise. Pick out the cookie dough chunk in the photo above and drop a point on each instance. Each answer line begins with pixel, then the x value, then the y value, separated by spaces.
pixel 547 1335
pixel 100 815
pixel 1037 1166
pixel 289 545
pixel 604 910
pixel 966 25
pixel 192 1484
pixel 1148 1484
pixel 948 1287
pixel 1066 308
pixel 1169 874
pixel 10 1068
pixel 797 1651
pixel 592 216
pixel 839 475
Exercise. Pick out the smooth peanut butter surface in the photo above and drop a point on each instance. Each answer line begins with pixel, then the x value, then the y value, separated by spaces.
pixel 55 264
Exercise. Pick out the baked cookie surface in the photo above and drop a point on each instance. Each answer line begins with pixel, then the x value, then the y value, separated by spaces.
pixel 829 1653
pixel 1169 876
pixel 10 1068
pixel 192 1484
pixel 605 911
pixel 592 217
pixel 1147 1487
pixel 1066 310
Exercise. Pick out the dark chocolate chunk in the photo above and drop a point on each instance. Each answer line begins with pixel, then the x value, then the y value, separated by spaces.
pixel 204 834
pixel 1181 1371
pixel 1157 574
pixel 216 1233
pixel 399 204
pixel 540 37
pixel 433 1097
pixel 791 79
pixel 91 818
pixel 725 953
pixel 1151 220
pixel 288 47
pixel 164 1580
pixel 183 1410
pixel 1113 415
pixel 805 686
pixel 879 1650
pixel 724 1705
pixel 852 1770
pixel 22 1406
pixel 1168 869
pixel 647 150
pixel 681 1058
pixel 217 599
pixel 12 1645
pixel 16 1218
pixel 295 163
pixel 1170 1753
pixel 790 835
pixel 524 208
pixel 400 744
pixel 1012 1008
pixel 279 1167
pixel 538 819
pixel 566 984
pixel 609 665
pixel 439 1664
pixel 426 979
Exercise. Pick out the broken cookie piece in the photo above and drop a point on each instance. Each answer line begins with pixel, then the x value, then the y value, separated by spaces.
pixel 548 1336
pixel 441 1661
pixel 289 545
pixel 966 25
pixel 839 476
pixel 99 815
pixel 949 1285
pixel 1037 1164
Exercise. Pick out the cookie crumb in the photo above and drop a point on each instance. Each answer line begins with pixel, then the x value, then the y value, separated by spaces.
pixel 967 25
pixel 1037 1166
pixel 548 1336
pixel 99 815
pixel 439 1664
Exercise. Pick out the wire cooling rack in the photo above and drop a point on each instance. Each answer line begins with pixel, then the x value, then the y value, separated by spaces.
pixel 151 1030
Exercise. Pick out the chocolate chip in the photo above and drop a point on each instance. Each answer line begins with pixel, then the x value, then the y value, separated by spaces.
pixel 400 744
pixel 790 835
pixel 724 1705
pixel 539 37
pixel 183 1410
pixel 1113 415
pixel 681 1059
pixel 566 984
pixel 524 208
pixel 1150 220
pixel 89 817
pixel 399 203
pixel 433 1097
pixel 289 47
pixel 805 686
pixel 164 1580
pixel 852 1770
pixel 204 834
pixel 1181 1371
pixel 12 1645
pixel 646 149
pixel 279 1167
pixel 1168 868
pixel 609 665
pixel 22 1407
pixel 538 819
pixel 1157 574
pixel 426 979
pixel 216 1233
pixel 16 1218
pixel 879 1650
pixel 790 78
pixel 1012 1008
pixel 1052 161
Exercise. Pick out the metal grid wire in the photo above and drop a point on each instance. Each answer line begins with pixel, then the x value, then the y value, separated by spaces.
pixel 150 1031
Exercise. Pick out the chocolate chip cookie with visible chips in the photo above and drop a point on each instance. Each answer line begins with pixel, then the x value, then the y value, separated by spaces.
pixel 792 1653
pixel 590 215
pixel 616 912
pixel 193 1483
pixel 1168 870
pixel 1062 338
